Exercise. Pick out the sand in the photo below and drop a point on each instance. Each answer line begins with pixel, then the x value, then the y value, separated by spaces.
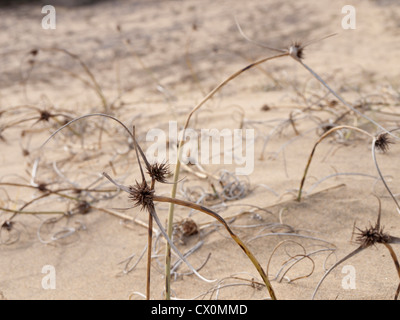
pixel 154 61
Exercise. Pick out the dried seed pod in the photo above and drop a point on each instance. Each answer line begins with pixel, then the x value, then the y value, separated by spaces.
pixel 8 225
pixel 44 115
pixel 142 195
pixel 296 50
pixel 371 236
pixel 159 171
pixel 84 207
pixel 188 227
pixel 42 187
pixel 34 52
pixel 382 142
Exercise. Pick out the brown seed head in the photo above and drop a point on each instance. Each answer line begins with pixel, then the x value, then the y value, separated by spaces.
pixel 265 107
pixel 383 141
pixel 45 115
pixel 142 195
pixel 159 171
pixel 371 236
pixel 42 187
pixel 8 225
pixel 296 50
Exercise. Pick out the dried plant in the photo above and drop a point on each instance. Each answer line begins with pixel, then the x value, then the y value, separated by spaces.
pixel 180 148
pixel 144 196
pixel 366 238
pixel 381 142
pixel 142 193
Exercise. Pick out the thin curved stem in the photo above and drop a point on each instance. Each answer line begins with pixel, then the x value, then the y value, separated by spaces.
pixel 373 149
pixel 342 100
pixel 241 244
pixel 326 134
pixel 164 233
pixel 396 264
pixel 352 254
pixel 83 117
pixel 178 163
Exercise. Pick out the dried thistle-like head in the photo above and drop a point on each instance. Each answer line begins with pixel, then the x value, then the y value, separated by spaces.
pixel 371 236
pixel 159 171
pixel 142 195
pixel 44 115
pixel 383 141
pixel 8 225
pixel 42 187
pixel 296 50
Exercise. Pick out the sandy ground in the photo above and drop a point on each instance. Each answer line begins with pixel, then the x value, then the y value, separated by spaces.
pixel 151 62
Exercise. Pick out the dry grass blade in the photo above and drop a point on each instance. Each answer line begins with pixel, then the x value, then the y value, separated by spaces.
pixel 255 42
pixel 178 163
pixel 352 254
pixel 294 54
pixel 157 220
pixel 146 202
pixel 240 243
pixel 149 246
pixel 396 264
pixel 86 69
pixel 326 134
pixel 83 117
pixel 381 142
pixel 367 238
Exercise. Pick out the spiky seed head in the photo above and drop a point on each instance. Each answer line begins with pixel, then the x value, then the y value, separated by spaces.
pixel 141 195
pixel 8 225
pixel 45 115
pixel 159 171
pixel 372 236
pixel 296 50
pixel 42 187
pixel 383 141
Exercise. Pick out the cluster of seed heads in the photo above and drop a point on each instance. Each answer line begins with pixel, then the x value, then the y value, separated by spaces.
pixel 141 193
